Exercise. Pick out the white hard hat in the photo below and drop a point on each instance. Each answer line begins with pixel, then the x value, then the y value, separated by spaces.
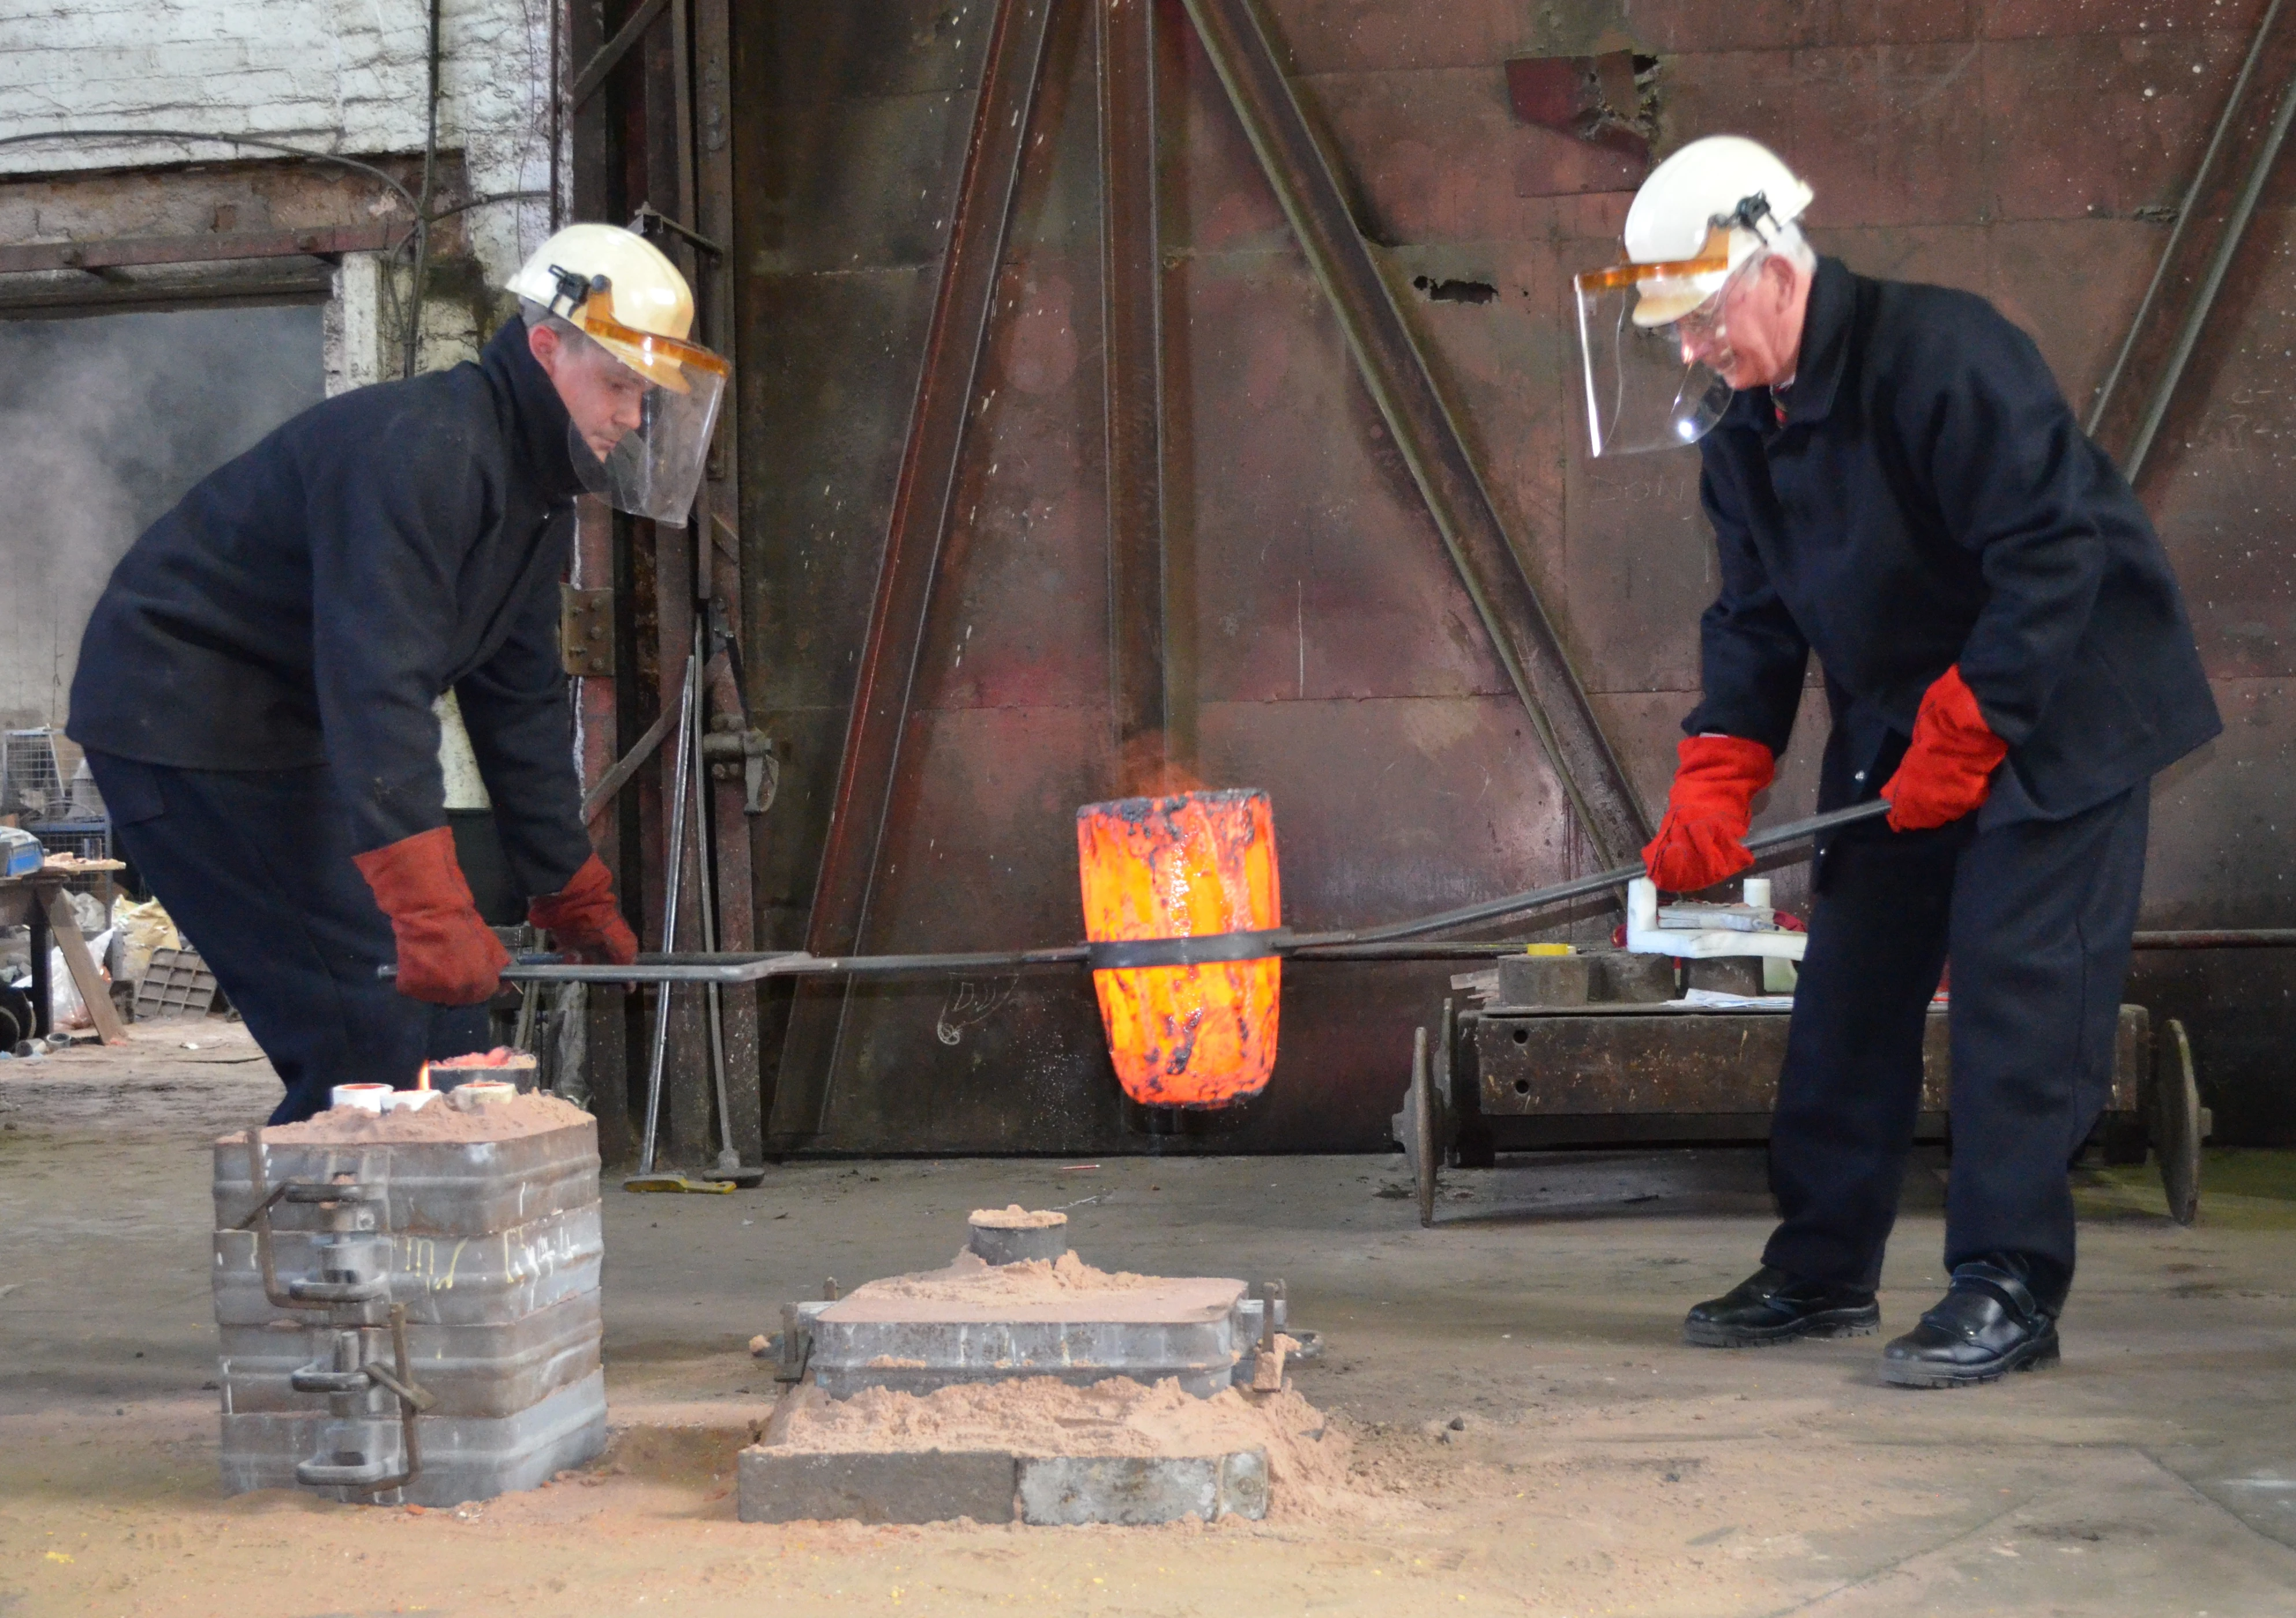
pixel 1722 185
pixel 644 292
pixel 620 291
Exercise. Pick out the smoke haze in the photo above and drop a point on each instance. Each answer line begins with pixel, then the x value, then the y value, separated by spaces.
pixel 105 421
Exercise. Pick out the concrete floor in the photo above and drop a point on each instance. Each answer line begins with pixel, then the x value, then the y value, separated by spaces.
pixel 1529 1434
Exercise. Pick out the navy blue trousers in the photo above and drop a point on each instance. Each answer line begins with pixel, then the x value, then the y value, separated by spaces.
pixel 2036 916
pixel 255 867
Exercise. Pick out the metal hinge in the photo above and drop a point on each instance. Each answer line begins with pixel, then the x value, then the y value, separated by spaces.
pixel 752 753
pixel 585 632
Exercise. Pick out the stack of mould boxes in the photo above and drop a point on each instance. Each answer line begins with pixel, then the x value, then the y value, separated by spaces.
pixel 408 1319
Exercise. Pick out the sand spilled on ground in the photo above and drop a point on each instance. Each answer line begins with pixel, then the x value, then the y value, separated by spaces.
pixel 1306 1455
pixel 528 1115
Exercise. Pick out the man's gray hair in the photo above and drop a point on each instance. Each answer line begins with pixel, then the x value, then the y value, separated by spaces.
pixel 1789 244
pixel 534 315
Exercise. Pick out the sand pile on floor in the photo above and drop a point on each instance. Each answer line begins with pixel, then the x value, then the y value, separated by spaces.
pixel 441 1121
pixel 971 1278
pixel 1037 1416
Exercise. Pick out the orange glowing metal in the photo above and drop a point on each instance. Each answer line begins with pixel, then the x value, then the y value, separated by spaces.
pixel 1185 867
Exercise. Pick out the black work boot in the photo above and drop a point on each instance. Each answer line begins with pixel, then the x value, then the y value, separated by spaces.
pixel 1987 1324
pixel 1771 1306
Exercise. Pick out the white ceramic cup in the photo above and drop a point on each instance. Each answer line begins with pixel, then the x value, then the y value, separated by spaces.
pixel 361 1097
pixel 410 1100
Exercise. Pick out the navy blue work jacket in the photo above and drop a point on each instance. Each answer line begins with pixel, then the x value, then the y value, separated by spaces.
pixel 308 601
pixel 1929 499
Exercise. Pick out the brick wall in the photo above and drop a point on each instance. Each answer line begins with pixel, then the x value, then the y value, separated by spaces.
pixel 344 76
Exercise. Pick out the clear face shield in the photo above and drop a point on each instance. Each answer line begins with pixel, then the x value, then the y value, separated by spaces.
pixel 1651 341
pixel 655 468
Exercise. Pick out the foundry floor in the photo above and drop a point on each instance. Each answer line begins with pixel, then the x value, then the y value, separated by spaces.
pixel 1531 1432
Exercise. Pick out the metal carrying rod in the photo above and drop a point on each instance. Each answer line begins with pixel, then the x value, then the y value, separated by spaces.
pixel 1491 909
pixel 1340 945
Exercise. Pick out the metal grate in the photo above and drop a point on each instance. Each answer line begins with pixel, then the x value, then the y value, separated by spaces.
pixel 30 783
pixel 79 840
pixel 176 984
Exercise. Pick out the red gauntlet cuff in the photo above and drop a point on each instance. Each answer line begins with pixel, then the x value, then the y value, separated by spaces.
pixel 1949 768
pixel 447 955
pixel 584 921
pixel 1702 840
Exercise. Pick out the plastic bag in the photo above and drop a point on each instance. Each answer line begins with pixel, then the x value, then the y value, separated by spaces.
pixel 139 929
pixel 66 1010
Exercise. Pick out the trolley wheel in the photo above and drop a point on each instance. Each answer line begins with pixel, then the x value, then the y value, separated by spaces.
pixel 2177 1122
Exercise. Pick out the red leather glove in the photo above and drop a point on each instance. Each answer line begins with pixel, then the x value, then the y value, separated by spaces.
pixel 1702 840
pixel 583 920
pixel 1949 769
pixel 447 955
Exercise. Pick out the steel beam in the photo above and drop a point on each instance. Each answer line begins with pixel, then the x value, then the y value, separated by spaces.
pixel 206 247
pixel 2102 424
pixel 1397 374
pixel 602 562
pixel 99 297
pixel 1139 614
pixel 886 677
pixel 666 172
pixel 734 831
pixel 605 1043
pixel 2204 297
pixel 601 66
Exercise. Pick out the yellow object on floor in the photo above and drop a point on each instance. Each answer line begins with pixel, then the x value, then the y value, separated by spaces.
pixel 675 1182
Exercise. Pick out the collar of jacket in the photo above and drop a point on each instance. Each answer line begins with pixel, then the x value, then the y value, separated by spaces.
pixel 1824 355
pixel 542 423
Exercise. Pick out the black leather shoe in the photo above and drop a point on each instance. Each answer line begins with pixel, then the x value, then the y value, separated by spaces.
pixel 1988 1324
pixel 1771 1306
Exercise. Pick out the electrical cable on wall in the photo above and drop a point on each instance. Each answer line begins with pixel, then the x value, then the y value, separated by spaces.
pixel 413 325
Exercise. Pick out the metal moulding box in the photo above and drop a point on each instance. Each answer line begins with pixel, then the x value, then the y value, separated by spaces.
pixel 483 1256
pixel 1195 1330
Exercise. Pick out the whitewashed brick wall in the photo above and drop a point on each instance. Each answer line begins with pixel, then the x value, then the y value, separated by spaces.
pixel 344 76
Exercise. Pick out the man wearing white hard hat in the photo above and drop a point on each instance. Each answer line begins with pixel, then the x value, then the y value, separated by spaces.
pixel 1897 488
pixel 255 687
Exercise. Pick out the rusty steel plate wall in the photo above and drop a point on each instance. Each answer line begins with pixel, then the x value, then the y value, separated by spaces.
pixel 2028 149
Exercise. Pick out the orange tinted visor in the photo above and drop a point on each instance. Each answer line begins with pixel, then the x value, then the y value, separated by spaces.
pixel 1620 277
pixel 659 359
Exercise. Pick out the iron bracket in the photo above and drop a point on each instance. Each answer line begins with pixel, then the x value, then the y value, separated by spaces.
pixel 585 632
pixel 752 751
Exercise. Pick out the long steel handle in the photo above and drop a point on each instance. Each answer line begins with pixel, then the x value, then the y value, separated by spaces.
pixel 1541 898
pixel 707 969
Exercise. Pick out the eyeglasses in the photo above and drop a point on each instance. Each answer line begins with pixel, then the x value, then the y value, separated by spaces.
pixel 1704 322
